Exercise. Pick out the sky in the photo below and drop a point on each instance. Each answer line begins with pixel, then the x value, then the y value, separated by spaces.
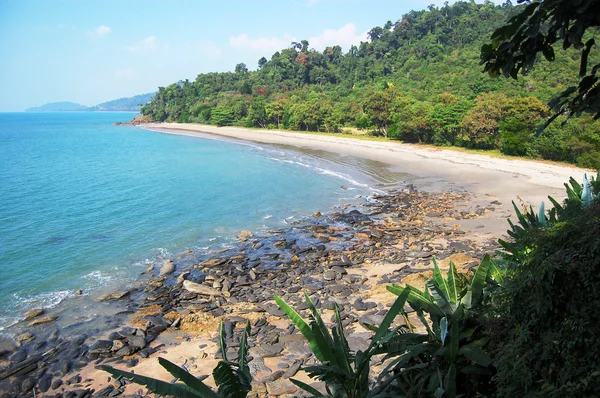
pixel 95 51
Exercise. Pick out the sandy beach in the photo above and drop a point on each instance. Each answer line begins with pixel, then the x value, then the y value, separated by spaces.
pixel 452 206
pixel 432 169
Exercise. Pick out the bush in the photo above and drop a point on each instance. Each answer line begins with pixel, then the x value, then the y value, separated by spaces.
pixel 553 303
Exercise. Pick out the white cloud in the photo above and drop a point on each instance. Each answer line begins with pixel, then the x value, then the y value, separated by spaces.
pixel 208 49
pixel 263 45
pixel 147 45
pixel 99 32
pixel 127 73
pixel 345 37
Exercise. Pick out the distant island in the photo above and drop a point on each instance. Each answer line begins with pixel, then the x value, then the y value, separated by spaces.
pixel 128 104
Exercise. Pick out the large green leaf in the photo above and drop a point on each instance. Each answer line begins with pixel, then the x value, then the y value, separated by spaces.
pixel 187 378
pixel 243 351
pixel 222 341
pixel 341 348
pixel 479 279
pixel 452 289
pixel 155 385
pixel 231 383
pixel 440 298
pixel 475 354
pixel 450 382
pixel 439 280
pixel 303 327
pixel 396 308
pixel 416 299
pixel 308 388
pixel 496 273
pixel 321 333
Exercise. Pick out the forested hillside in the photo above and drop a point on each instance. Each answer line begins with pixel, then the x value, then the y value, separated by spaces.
pixel 417 79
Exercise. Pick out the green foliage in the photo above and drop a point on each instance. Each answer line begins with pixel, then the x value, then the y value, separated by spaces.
pixel 515 48
pixel 233 379
pixel 345 373
pixel 416 80
pixel 453 360
pixel 552 297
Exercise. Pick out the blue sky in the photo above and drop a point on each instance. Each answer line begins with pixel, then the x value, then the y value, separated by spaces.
pixel 95 51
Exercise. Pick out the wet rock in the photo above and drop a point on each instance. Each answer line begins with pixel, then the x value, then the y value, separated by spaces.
pixel 45 319
pixel 245 235
pixel 25 337
pixel 167 268
pixel 200 289
pixel 18 356
pixel 114 295
pixel 33 314
pixel 77 341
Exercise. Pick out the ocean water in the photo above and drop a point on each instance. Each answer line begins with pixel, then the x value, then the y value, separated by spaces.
pixel 88 205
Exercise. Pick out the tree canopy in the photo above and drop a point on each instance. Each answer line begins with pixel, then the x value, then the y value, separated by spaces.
pixel 418 79
pixel 515 47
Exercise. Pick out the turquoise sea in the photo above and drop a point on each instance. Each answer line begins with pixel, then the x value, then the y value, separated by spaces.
pixel 88 205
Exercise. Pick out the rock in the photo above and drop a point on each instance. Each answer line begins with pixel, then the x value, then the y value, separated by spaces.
pixel 79 292
pixel 273 376
pixel 56 384
pixel 101 347
pixel 339 270
pixel 25 337
pixel 200 289
pixel 114 296
pixel 33 314
pixel 359 305
pixel 64 365
pixel 167 268
pixel 330 275
pixel 27 384
pixel 117 345
pixel 281 387
pixel 317 214
pixel 45 382
pixel 292 370
pixel 125 351
pixel 182 277
pixel 132 362
pixel 136 342
pixel 18 356
pixel 46 319
pixel 245 235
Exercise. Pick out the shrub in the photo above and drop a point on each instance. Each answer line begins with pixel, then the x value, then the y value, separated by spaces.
pixel 553 302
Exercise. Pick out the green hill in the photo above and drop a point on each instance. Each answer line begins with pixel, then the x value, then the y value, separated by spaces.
pixel 417 80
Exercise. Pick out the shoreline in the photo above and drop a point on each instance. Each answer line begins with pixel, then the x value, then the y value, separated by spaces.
pixel 343 257
pixel 526 182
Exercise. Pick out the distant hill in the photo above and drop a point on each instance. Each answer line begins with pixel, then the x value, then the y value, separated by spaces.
pixel 129 104
pixel 124 104
pixel 59 107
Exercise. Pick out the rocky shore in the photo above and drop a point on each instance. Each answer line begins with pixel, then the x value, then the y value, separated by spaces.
pixel 347 257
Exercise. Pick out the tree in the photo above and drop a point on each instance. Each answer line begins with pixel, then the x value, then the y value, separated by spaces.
pixel 241 68
pixel 378 107
pixel 515 47
pixel 261 62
